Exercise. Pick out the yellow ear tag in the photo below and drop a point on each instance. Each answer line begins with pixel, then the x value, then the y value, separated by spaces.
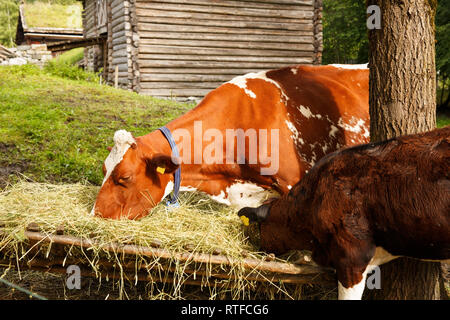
pixel 245 220
pixel 161 170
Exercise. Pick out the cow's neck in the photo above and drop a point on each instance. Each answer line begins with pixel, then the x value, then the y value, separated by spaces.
pixel 224 183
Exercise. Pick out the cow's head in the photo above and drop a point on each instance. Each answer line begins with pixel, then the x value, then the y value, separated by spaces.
pixel 136 177
pixel 270 228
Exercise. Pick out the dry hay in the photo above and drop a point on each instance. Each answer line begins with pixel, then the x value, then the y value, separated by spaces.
pixel 199 225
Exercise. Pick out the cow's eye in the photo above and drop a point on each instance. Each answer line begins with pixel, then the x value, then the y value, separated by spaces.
pixel 124 179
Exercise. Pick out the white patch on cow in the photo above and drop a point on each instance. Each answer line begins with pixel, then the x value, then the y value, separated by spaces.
pixel 325 148
pixel 305 112
pixel 351 66
pixel 244 194
pixel 294 70
pixel 295 134
pixel 355 126
pixel 380 257
pixel 221 198
pixel 187 189
pixel 352 293
pixel 289 187
pixel 122 142
pixel 241 82
pixel 168 189
pixel 333 128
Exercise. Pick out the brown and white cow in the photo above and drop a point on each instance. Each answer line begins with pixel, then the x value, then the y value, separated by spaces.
pixel 363 206
pixel 314 111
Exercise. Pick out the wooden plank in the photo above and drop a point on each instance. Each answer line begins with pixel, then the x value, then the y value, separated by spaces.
pixel 183 85
pixel 300 2
pixel 171 92
pixel 301 12
pixel 306 25
pixel 123 66
pixel 144 27
pixel 307 18
pixel 232 44
pixel 288 5
pixel 184 77
pixel 227 71
pixel 167 60
pixel 120 7
pixel 121 40
pixel 125 25
pixel 115 3
pixel 120 53
pixel 174 50
pixel 183 36
pixel 220 65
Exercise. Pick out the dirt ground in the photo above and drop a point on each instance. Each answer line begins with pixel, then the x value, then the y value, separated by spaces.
pixel 53 287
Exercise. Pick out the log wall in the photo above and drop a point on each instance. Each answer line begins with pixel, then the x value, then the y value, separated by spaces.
pixel 186 48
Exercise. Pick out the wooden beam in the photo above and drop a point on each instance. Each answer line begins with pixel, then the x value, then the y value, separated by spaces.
pixel 67 45
pixel 248 263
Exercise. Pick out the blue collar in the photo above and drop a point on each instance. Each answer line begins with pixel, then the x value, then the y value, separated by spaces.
pixel 173 198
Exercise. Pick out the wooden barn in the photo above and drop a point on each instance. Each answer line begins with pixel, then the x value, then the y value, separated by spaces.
pixel 183 49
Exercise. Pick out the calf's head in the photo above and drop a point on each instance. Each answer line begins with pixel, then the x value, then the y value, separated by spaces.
pixel 135 178
pixel 271 228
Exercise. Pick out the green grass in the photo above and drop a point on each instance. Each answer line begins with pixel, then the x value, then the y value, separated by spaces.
pixel 442 120
pixel 71 56
pixel 65 66
pixel 58 129
pixel 53 15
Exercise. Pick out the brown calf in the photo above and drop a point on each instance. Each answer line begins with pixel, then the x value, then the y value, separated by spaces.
pixel 363 206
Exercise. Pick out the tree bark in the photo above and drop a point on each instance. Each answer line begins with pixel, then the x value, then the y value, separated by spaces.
pixel 402 100
pixel 402 69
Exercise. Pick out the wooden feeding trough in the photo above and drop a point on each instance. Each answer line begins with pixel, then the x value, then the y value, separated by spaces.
pixel 48 252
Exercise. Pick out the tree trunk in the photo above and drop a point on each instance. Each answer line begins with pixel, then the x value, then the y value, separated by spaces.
pixel 402 69
pixel 402 101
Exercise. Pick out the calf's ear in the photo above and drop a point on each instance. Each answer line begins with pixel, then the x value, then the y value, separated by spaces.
pixel 249 215
pixel 162 164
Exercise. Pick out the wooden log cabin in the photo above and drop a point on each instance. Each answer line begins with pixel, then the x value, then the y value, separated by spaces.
pixel 186 48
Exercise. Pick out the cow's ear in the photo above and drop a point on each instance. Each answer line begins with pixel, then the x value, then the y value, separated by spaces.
pixel 162 163
pixel 249 215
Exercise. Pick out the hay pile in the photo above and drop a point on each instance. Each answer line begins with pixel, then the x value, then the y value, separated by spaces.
pixel 199 225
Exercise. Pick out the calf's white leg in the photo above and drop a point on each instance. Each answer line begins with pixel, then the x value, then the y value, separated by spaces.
pixel 353 293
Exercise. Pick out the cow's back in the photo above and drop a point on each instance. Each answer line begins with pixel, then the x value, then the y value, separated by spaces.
pixel 327 108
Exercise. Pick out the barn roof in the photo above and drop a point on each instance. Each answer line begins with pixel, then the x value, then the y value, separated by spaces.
pixel 49 20
pixel 52 15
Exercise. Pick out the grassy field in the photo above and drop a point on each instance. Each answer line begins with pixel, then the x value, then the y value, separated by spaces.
pixel 57 130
